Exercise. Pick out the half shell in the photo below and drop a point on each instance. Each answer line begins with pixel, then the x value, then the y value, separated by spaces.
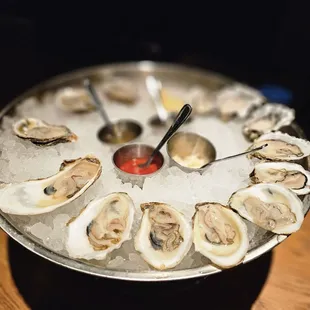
pixel 237 101
pixel 202 100
pixel 121 90
pixel 269 117
pixel 40 132
pixel 292 176
pixel 74 100
pixel 270 206
pixel 220 234
pixel 45 195
pixel 101 227
pixel 164 237
pixel 281 147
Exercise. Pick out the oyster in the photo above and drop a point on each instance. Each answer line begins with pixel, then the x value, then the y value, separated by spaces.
pixel 102 226
pixel 45 195
pixel 292 176
pixel 164 237
pixel 202 101
pixel 39 132
pixel 74 100
pixel 270 206
pixel 269 117
pixel 121 90
pixel 281 147
pixel 220 234
pixel 237 101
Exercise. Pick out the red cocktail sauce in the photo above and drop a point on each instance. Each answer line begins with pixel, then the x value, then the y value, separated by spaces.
pixel 131 166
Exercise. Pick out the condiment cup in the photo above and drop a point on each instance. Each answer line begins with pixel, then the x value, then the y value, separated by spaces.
pixel 185 144
pixel 131 151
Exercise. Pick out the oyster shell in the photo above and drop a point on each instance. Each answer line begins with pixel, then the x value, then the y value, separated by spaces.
pixel 281 147
pixel 202 101
pixel 237 101
pixel 164 237
pixel 270 206
pixel 121 90
pixel 40 132
pixel 102 226
pixel 74 100
pixel 220 234
pixel 45 195
pixel 292 176
pixel 269 117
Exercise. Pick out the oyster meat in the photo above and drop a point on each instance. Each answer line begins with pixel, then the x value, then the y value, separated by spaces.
pixel 220 234
pixel 45 195
pixel 270 206
pixel 164 237
pixel 102 226
pixel 281 147
pixel 39 132
pixel 269 117
pixel 237 101
pixel 202 101
pixel 292 176
pixel 74 100
pixel 121 90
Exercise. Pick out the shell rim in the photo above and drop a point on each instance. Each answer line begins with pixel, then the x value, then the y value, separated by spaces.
pixel 34 246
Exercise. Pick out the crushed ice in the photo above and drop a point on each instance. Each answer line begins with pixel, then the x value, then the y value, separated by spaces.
pixel 21 160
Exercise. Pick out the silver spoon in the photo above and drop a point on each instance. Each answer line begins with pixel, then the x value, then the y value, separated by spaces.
pixel 154 88
pixel 117 129
pixel 234 156
pixel 180 119
pixel 97 101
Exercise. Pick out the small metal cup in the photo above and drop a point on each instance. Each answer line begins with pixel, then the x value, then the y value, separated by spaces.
pixel 185 144
pixel 129 152
pixel 128 131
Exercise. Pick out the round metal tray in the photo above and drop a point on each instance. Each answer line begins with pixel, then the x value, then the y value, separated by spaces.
pixel 161 70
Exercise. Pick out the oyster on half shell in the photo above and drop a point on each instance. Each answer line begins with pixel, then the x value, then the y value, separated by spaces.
pixel 281 147
pixel 202 100
pixel 102 226
pixel 45 195
pixel 237 101
pixel 269 117
pixel 121 90
pixel 42 133
pixel 164 237
pixel 292 176
pixel 270 206
pixel 74 99
pixel 220 234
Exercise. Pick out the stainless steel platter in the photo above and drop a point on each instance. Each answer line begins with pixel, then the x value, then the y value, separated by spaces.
pixel 139 69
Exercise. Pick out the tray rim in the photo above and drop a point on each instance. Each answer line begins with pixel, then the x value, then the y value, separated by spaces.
pixel 148 276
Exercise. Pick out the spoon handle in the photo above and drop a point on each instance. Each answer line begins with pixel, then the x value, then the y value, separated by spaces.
pixel 154 87
pixel 234 156
pixel 89 87
pixel 180 119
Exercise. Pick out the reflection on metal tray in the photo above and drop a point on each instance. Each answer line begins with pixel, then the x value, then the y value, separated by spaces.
pixel 139 70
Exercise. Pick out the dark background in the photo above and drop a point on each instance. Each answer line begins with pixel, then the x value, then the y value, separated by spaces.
pixel 253 41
